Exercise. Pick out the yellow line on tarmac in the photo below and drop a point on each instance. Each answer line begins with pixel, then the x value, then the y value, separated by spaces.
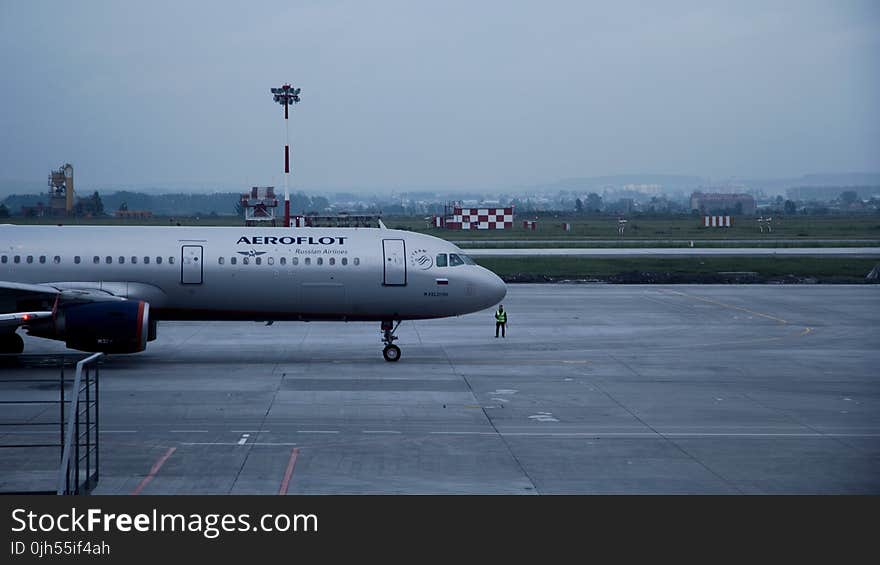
pixel 730 306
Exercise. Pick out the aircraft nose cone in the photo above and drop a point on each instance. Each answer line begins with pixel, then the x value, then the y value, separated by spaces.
pixel 497 290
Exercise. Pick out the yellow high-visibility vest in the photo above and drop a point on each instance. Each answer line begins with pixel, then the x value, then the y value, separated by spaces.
pixel 501 317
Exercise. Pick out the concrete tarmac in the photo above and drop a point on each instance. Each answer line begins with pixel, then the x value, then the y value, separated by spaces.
pixel 595 389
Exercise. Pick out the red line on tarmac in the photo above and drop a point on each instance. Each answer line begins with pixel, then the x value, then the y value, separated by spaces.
pixel 155 469
pixel 294 453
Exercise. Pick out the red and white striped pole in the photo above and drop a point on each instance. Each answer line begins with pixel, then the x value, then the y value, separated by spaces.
pixel 286 95
pixel 286 169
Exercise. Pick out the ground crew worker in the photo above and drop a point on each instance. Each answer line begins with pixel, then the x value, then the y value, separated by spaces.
pixel 500 320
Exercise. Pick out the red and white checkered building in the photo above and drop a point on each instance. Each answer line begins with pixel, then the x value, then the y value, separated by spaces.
pixel 459 218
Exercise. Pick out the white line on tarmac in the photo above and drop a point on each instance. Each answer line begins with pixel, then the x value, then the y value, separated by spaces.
pixel 188 431
pixel 381 432
pixel 465 433
pixel 814 434
pixel 317 431
pixel 660 434
pixel 273 443
pixel 678 435
pixel 209 443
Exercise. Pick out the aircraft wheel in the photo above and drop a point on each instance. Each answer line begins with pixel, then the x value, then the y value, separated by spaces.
pixel 391 353
pixel 12 344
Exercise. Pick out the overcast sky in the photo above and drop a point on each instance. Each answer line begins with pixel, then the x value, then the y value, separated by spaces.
pixel 411 94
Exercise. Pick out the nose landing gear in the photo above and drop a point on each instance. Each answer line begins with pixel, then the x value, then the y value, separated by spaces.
pixel 391 352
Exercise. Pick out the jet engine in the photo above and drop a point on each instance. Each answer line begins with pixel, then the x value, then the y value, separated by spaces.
pixel 109 327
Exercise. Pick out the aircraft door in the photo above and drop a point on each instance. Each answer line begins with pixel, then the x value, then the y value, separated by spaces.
pixel 394 262
pixel 191 269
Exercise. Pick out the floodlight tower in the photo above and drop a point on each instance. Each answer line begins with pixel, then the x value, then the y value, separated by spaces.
pixel 286 96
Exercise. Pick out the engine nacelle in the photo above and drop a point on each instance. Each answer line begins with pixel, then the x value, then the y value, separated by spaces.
pixel 109 327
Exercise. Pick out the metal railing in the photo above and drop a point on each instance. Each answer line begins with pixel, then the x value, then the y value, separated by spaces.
pixel 34 421
pixel 80 459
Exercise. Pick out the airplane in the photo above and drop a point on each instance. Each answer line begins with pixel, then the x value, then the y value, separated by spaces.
pixel 104 288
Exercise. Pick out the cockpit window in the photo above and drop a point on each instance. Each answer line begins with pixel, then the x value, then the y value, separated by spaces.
pixel 455 260
pixel 441 259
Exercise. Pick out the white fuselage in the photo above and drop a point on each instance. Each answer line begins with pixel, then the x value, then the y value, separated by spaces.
pixel 250 273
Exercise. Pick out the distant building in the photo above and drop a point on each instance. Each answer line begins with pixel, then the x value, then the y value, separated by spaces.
pixel 61 191
pixel 717 221
pixel 720 203
pixel 133 214
pixel 341 220
pixel 259 206
pixel 649 189
pixel 60 195
pixel 458 216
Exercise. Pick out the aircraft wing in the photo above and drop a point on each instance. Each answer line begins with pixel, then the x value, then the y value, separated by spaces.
pixel 24 302
pixel 16 319
pixel 12 288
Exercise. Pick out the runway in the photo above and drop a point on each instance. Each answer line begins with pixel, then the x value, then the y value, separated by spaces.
pixel 681 252
pixel 596 389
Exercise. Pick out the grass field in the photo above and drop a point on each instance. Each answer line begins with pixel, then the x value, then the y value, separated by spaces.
pixel 664 227
pixel 765 267
pixel 684 227
pixel 642 232
pixel 636 244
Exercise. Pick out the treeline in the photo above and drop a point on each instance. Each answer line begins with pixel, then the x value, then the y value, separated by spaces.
pixel 177 204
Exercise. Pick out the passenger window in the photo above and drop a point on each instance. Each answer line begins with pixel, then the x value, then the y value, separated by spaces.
pixel 357 261
pixel 171 260
pixel 146 259
pixel 258 260
pixel 233 261
pixel 455 260
pixel 284 260
pixel 121 260
pixel 270 260
pixel 308 261
pixel 108 259
pixel 56 259
pixel 30 259
pixel 320 260
pixel 16 259
pixel 332 261
pixel 295 260
pixel 3 259
pixel 77 259
pixel 42 259
pixel 344 261
pixel 158 260
pixel 245 261
pixel 220 260
pixel 134 260
pixel 96 259
pixel 441 260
